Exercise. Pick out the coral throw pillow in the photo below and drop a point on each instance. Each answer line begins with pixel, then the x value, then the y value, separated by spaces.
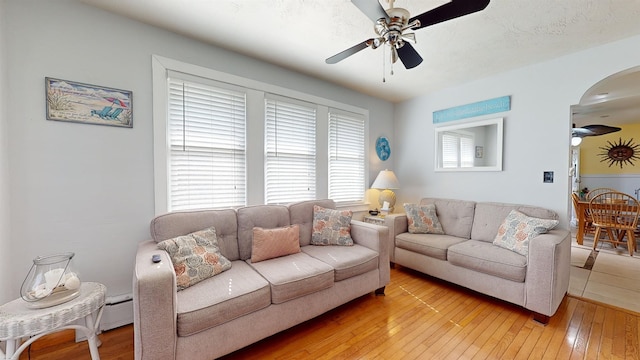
pixel 195 257
pixel 422 219
pixel 518 229
pixel 272 243
pixel 331 227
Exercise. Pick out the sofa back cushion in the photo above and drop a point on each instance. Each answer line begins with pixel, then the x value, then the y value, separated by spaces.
pixel 456 216
pixel 301 213
pixel 175 224
pixel 264 216
pixel 489 216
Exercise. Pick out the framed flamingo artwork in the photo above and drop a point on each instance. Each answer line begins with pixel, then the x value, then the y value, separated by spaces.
pixel 88 104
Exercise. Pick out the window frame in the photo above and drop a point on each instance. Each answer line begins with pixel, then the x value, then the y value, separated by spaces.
pixel 348 116
pixel 206 97
pixel 271 154
pixel 256 92
pixel 458 137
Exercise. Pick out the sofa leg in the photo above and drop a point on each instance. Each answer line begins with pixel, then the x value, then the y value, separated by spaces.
pixel 380 292
pixel 542 319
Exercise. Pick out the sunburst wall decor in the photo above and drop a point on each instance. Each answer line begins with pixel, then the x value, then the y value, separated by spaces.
pixel 620 153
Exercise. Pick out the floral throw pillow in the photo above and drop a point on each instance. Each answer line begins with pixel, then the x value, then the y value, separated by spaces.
pixel 331 227
pixel 422 219
pixel 518 229
pixel 195 257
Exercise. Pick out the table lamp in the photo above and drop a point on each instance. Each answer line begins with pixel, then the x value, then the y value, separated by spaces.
pixel 385 181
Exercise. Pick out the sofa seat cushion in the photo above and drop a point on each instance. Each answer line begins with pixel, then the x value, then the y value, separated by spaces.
pixel 346 261
pixel 295 275
pixel 224 297
pixel 490 259
pixel 433 245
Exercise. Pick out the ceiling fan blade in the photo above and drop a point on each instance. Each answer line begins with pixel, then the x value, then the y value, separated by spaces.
pixel 372 9
pixel 593 130
pixel 409 56
pixel 348 52
pixel 601 129
pixel 581 132
pixel 448 11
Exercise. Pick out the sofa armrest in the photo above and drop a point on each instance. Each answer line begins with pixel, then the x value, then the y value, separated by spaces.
pixel 154 304
pixel 547 279
pixel 375 238
pixel 397 224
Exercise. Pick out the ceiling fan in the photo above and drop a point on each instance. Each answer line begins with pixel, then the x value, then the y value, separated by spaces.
pixel 577 133
pixel 390 26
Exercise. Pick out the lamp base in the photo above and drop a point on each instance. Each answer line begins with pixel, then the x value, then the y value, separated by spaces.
pixel 388 196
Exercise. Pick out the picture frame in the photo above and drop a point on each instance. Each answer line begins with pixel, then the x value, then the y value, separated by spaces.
pixel 479 152
pixel 72 101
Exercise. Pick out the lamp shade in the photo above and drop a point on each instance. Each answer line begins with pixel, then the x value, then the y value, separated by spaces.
pixel 386 179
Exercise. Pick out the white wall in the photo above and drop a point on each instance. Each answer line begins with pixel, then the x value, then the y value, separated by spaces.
pixel 536 130
pixel 5 244
pixel 626 183
pixel 88 188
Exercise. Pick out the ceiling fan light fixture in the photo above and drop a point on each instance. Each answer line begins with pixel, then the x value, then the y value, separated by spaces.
pixel 410 37
pixel 575 141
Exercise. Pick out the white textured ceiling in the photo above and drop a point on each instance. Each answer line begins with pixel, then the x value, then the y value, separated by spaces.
pixel 301 34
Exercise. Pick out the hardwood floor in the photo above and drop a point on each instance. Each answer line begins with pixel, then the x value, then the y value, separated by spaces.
pixel 419 318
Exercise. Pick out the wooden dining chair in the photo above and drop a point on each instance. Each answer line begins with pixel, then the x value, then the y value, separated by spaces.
pixel 588 221
pixel 597 191
pixel 617 214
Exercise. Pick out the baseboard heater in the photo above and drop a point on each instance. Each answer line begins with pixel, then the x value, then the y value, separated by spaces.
pixel 118 311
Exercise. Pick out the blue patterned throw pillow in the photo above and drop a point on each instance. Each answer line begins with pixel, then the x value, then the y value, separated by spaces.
pixel 422 219
pixel 518 229
pixel 195 257
pixel 331 227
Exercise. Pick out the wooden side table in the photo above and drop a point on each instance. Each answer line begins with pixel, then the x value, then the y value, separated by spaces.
pixel 17 321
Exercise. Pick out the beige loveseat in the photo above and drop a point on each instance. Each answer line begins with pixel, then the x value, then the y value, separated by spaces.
pixel 248 302
pixel 465 254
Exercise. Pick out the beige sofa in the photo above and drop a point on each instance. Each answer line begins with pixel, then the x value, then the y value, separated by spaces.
pixel 465 254
pixel 248 302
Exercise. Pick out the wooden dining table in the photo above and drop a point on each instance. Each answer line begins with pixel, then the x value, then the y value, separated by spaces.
pixel 583 206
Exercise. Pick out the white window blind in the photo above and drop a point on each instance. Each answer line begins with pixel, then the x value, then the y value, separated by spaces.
pixel 457 150
pixel 346 157
pixel 290 142
pixel 206 141
pixel 467 152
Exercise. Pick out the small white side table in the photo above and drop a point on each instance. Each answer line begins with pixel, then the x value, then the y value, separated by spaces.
pixel 378 220
pixel 17 321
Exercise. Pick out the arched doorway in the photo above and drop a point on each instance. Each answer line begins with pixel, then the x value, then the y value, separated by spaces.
pixel 612 101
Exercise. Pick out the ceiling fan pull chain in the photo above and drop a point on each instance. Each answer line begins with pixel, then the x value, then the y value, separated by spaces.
pixel 391 68
pixel 384 63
